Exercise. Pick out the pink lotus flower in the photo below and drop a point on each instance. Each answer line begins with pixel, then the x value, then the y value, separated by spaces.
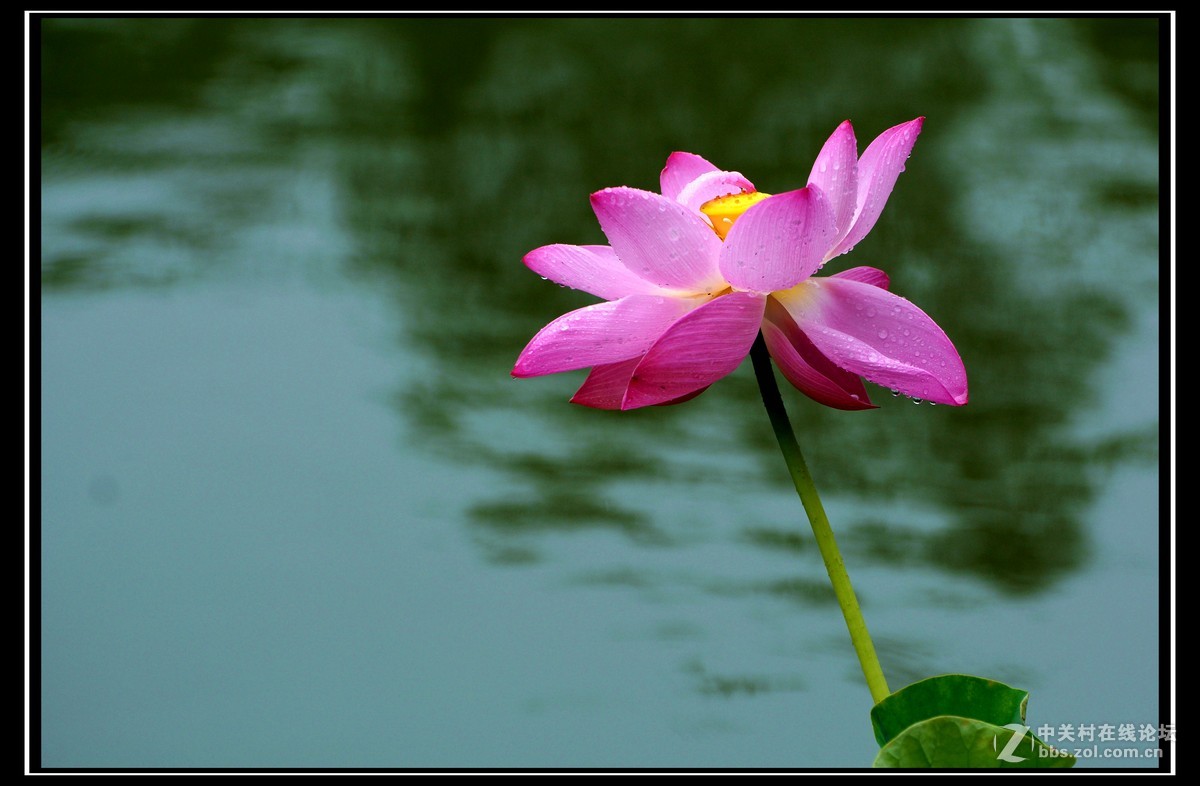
pixel 694 273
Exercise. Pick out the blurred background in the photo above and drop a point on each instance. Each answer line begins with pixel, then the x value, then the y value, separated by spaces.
pixel 295 512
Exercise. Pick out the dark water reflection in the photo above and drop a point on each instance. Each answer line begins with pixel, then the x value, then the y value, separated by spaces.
pixel 421 158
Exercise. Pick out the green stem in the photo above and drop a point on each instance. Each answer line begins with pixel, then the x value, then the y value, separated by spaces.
pixel 820 522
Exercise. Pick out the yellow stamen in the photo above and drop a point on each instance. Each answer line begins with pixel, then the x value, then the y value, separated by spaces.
pixel 723 211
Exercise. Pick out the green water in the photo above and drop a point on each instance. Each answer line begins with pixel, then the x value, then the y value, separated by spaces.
pixel 295 512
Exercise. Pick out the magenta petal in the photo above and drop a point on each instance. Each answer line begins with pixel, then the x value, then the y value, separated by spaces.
pixel 593 269
pixel 681 169
pixel 605 385
pixel 835 172
pixel 660 240
pixel 778 242
pixel 807 369
pixel 604 333
pixel 880 165
pixel 871 332
pixel 868 275
pixel 711 185
pixel 682 399
pixel 697 350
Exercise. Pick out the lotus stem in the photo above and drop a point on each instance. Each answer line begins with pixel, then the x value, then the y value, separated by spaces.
pixel 823 533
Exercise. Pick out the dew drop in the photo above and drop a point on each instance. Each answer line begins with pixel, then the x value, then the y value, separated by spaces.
pixel 883 334
pixel 916 401
pixel 895 393
pixel 824 165
pixel 673 233
pixel 870 312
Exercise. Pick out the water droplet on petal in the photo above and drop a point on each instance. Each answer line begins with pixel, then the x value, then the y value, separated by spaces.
pixel 916 401
pixel 883 334
pixel 870 312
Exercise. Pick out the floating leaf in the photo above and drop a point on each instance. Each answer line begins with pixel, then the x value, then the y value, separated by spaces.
pixel 949 741
pixel 949 694
pixel 959 721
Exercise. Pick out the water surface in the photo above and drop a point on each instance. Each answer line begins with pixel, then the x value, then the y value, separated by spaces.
pixel 296 513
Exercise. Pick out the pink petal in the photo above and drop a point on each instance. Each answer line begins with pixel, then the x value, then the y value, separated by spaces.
pixel 871 332
pixel 804 366
pixel 868 275
pixel 880 165
pixel 835 172
pixel 593 269
pixel 681 169
pixel 682 399
pixel 711 185
pixel 660 240
pixel 778 242
pixel 605 385
pixel 697 350
pixel 604 333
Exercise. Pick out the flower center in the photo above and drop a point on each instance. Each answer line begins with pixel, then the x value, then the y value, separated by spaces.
pixel 723 211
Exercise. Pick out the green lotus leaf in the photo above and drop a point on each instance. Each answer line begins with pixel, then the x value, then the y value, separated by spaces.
pixel 950 694
pixel 949 741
